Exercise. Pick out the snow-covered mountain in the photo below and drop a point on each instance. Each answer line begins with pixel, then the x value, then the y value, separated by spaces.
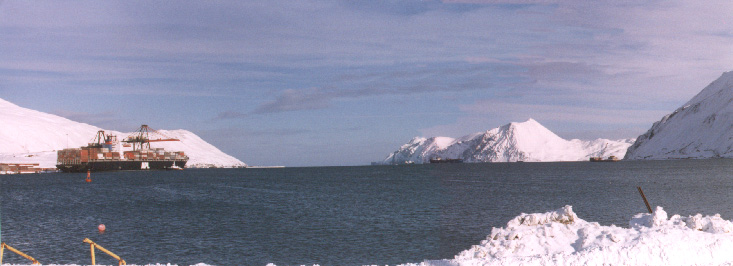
pixel 527 141
pixel 29 136
pixel 701 128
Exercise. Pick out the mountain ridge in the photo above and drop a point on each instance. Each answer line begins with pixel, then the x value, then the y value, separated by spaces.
pixel 516 141
pixel 701 128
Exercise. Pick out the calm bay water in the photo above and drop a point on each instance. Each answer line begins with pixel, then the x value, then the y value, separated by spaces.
pixel 331 215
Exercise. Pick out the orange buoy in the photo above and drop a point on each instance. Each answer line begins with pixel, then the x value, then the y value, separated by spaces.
pixel 89 176
pixel 101 228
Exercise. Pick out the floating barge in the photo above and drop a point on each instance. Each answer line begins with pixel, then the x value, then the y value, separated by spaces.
pixel 104 154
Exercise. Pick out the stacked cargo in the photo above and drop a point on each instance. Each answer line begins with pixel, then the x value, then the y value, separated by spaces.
pixel 86 154
pixel 69 156
pixel 21 168
pixel 157 154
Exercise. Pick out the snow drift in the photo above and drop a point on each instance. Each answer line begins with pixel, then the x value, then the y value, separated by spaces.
pixel 526 141
pixel 560 237
pixel 701 128
pixel 29 136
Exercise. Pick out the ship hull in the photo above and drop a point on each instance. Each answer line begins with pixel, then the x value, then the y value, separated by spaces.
pixel 121 165
pixel 446 160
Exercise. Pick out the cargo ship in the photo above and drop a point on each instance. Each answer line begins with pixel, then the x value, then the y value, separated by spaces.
pixel 441 160
pixel 600 159
pixel 105 154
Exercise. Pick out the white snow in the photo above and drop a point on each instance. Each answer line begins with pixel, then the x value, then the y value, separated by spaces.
pixel 560 237
pixel 701 128
pixel 29 136
pixel 526 141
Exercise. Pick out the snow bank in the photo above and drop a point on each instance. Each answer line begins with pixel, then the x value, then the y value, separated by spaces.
pixel 561 238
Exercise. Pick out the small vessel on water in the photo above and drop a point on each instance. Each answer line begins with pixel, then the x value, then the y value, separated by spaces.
pixel 441 160
pixel 103 154
pixel 600 159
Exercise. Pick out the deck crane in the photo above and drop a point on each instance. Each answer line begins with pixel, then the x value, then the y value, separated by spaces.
pixel 102 139
pixel 141 138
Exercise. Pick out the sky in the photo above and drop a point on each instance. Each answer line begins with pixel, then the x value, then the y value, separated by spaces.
pixel 331 83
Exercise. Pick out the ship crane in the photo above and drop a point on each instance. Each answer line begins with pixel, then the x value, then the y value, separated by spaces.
pixel 140 140
pixel 102 139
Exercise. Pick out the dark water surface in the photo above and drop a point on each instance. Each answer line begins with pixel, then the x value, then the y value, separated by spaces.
pixel 331 215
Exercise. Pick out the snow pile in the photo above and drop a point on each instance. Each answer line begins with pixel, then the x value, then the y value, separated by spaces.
pixel 561 238
pixel 701 128
pixel 527 141
pixel 29 136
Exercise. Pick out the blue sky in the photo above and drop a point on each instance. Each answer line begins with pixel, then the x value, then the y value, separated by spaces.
pixel 312 83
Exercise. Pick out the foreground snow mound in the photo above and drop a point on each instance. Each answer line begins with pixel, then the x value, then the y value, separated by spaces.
pixel 527 141
pixel 561 238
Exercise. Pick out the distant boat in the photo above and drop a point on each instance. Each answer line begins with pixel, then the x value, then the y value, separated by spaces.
pixel 600 159
pixel 441 160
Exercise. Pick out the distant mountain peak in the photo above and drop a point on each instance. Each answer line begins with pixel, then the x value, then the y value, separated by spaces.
pixel 529 121
pixel 516 141
pixel 529 125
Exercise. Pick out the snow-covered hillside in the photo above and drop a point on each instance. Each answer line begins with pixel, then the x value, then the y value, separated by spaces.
pixel 29 136
pixel 527 141
pixel 701 128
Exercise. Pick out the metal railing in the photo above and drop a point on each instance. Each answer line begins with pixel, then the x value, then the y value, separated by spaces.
pixel 3 246
pixel 92 245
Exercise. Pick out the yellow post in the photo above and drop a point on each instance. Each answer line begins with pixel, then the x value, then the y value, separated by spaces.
pixel 91 247
pixel 3 246
pixel 92 244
